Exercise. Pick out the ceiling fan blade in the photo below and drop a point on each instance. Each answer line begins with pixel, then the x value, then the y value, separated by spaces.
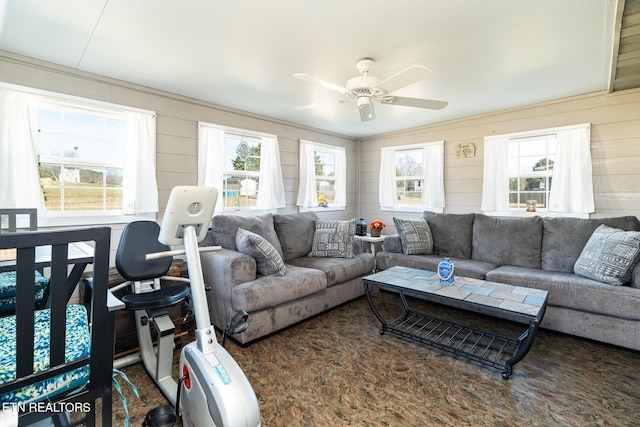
pixel 367 112
pixel 404 78
pixel 321 104
pixel 328 85
pixel 414 102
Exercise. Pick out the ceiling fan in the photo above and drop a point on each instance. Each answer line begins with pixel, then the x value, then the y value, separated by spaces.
pixel 367 89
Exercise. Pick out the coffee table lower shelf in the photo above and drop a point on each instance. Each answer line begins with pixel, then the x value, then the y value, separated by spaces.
pixel 491 349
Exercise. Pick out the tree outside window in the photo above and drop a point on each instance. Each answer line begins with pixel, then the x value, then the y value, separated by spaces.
pixel 531 163
pixel 409 176
pixel 241 181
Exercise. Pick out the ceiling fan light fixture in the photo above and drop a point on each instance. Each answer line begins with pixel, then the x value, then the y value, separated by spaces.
pixel 364 102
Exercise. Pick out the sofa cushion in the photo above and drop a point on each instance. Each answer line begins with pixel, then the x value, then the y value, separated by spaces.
pixel 415 236
pixel 339 270
pixel 270 291
pixel 571 291
pixel 333 239
pixel 452 233
pixel 295 232
pixel 609 255
pixel 224 228
pixel 507 241
pixel 268 260
pixel 564 238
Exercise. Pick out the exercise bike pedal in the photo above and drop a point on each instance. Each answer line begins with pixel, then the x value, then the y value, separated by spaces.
pixel 161 416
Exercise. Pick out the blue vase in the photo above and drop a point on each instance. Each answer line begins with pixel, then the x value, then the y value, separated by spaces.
pixel 445 272
pixel 361 228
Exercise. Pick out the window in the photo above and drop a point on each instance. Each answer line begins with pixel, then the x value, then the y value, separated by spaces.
pixel 530 171
pixel 548 168
pixel 411 177
pixel 243 165
pixel 241 179
pixel 77 160
pixel 81 158
pixel 322 176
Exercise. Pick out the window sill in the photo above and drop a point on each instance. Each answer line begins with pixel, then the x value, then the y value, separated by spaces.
pixel 321 209
pixel 89 219
pixel 541 213
pixel 419 209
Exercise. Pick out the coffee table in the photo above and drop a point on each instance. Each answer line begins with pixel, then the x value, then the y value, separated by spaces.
pixel 515 303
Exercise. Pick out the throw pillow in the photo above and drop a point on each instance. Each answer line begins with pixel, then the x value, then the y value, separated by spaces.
pixel 224 229
pixel 333 239
pixel 415 236
pixel 609 255
pixel 268 260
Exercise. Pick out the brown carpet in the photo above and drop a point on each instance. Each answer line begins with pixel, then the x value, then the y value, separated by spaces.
pixel 337 370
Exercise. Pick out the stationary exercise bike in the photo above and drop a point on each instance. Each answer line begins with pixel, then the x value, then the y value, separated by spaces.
pixel 212 389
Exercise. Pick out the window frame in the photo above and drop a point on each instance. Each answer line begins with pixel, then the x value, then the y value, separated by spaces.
pixel 48 218
pixel 533 134
pixel 339 181
pixel 211 170
pixel 400 207
pixel 62 160
pixel 546 174
pixel 245 174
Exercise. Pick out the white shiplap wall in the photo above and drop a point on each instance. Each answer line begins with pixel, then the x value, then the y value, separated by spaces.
pixel 615 148
pixel 177 128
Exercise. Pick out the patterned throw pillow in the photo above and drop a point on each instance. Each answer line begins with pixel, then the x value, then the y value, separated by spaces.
pixel 333 239
pixel 415 236
pixel 609 256
pixel 268 260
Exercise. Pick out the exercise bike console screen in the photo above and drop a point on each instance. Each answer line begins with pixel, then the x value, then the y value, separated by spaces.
pixel 187 206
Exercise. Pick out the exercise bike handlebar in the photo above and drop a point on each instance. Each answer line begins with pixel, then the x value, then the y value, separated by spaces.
pixel 156 255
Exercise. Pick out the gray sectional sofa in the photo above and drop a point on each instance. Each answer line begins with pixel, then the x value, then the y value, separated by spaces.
pixel 538 253
pixel 309 285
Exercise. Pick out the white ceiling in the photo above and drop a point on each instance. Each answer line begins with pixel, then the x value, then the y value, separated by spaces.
pixel 486 55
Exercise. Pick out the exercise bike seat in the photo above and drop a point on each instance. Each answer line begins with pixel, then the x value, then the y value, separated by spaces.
pixel 140 238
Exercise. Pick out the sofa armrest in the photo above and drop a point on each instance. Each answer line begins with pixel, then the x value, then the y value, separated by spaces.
pixel 392 243
pixel 635 276
pixel 222 270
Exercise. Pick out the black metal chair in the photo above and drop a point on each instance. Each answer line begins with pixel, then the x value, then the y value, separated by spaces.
pixel 64 348
pixel 12 220
pixel 11 217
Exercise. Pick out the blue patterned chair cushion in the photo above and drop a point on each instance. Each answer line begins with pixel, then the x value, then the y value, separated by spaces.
pixel 8 289
pixel 77 345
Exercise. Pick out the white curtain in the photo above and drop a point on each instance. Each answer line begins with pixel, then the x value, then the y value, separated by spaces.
pixel 211 160
pixel 433 192
pixel 433 187
pixel 387 190
pixel 495 183
pixel 140 188
pixel 572 188
pixel 340 196
pixel 211 167
pixel 271 187
pixel 307 194
pixel 307 197
pixel 19 176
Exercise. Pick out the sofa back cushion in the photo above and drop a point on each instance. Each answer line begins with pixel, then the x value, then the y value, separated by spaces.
pixel 563 239
pixel 507 241
pixel 224 229
pixel 452 233
pixel 295 232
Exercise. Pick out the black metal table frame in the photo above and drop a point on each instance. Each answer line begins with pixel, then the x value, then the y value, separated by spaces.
pixel 455 338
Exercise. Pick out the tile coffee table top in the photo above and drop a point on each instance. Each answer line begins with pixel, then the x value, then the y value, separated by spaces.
pixel 516 299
